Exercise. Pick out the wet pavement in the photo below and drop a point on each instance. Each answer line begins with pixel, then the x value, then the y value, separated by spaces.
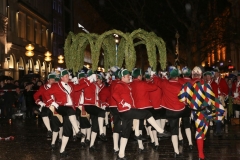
pixel 30 143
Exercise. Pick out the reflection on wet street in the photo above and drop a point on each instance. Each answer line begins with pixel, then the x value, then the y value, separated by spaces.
pixel 30 143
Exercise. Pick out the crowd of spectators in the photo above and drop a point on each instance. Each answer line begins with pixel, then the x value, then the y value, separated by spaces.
pixel 18 96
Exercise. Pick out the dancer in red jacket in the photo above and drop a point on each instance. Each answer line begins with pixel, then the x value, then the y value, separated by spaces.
pixel 186 72
pixel 174 108
pixel 41 100
pixel 93 107
pixel 63 103
pixel 123 95
pixel 140 92
pixel 113 109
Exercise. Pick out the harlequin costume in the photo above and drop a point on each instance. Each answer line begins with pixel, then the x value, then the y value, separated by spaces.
pixel 205 106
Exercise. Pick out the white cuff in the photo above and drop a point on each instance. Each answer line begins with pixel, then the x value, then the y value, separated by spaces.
pixel 55 105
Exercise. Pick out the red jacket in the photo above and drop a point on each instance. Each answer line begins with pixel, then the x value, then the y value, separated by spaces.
pixel 170 91
pixel 140 92
pixel 112 102
pixel 78 90
pixel 91 95
pixel 41 93
pixel 184 80
pixel 155 96
pixel 122 93
pixel 59 93
pixel 222 86
pixel 104 95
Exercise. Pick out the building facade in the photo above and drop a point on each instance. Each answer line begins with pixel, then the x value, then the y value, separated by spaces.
pixel 28 23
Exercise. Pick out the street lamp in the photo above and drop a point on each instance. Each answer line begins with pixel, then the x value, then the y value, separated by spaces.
pixel 29 52
pixel 47 59
pixel 117 40
pixel 48 56
pixel 60 59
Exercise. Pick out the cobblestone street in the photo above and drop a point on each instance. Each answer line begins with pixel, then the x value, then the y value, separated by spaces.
pixel 30 143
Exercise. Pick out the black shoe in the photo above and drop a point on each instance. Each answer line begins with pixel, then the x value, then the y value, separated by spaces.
pixel 80 135
pixel 217 134
pixel 74 138
pixel 138 137
pixel 156 148
pixel 63 154
pixel 178 155
pixel 148 137
pixel 124 158
pixel 164 134
pixel 141 150
pixel 49 134
pixel 60 141
pixel 103 137
pixel 83 145
pixel 144 139
pixel 151 144
pixel 115 152
pixel 93 149
pixel 180 142
pixel 87 141
pixel 53 147
pixel 190 147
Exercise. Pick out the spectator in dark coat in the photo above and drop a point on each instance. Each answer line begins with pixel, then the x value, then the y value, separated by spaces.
pixel 9 97
pixel 30 103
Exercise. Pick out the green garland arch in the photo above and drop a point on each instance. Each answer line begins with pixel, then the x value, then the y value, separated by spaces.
pixel 75 46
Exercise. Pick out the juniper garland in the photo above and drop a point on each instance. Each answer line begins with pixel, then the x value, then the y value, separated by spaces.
pixel 75 46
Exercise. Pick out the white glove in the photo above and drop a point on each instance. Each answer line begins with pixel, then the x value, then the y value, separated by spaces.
pixel 127 105
pixel 55 105
pixel 75 80
pixel 235 94
pixel 103 107
pixel 92 78
pixel 152 73
pixel 40 103
pixel 40 109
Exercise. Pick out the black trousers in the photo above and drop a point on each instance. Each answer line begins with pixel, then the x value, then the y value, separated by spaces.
pixel 55 123
pixel 155 116
pixel 94 112
pixel 46 112
pixel 173 118
pixel 66 111
pixel 84 121
pixel 127 119
pixel 116 119
pixel 186 117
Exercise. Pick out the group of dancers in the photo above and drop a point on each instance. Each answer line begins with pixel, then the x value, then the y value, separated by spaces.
pixel 80 106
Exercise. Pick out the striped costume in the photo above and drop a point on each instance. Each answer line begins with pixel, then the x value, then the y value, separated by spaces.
pixel 205 106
